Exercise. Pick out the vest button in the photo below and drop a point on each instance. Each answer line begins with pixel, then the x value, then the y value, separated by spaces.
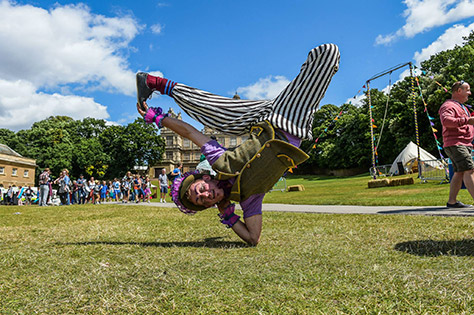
pixel 248 165
pixel 259 155
pixel 267 145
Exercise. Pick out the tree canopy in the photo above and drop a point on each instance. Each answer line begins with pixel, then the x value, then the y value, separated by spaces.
pixel 347 143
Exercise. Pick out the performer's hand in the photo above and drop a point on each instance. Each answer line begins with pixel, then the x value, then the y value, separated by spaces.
pixel 142 109
pixel 221 206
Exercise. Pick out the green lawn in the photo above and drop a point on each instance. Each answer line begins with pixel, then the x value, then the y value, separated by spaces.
pixel 113 259
pixel 324 190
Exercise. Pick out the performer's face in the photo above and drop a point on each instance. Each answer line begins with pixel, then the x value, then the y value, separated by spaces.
pixel 205 192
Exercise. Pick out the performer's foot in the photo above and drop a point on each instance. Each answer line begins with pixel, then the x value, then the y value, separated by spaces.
pixel 143 91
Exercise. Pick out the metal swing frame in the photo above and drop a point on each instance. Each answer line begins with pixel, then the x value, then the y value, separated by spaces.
pixel 374 149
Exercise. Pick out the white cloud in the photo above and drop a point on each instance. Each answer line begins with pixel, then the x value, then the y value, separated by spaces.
pixel 422 15
pixel 263 89
pixel 156 28
pixel 356 100
pixel 63 50
pixel 21 105
pixel 448 40
pixel 65 45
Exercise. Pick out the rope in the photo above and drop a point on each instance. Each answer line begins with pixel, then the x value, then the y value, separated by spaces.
pixel 413 93
pixel 374 152
pixel 386 108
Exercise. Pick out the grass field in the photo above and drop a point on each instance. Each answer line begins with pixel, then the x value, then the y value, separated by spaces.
pixel 324 190
pixel 330 190
pixel 113 259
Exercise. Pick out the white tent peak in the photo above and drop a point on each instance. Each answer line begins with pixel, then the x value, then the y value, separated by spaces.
pixel 409 155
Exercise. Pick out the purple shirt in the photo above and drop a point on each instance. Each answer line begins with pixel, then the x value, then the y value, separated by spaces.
pixel 251 206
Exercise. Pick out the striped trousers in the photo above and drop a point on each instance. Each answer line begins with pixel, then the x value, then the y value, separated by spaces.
pixel 291 111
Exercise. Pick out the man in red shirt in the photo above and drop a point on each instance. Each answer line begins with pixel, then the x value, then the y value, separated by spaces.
pixel 458 134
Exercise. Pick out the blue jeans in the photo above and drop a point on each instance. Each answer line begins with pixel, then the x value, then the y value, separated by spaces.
pixel 75 197
pixel 44 194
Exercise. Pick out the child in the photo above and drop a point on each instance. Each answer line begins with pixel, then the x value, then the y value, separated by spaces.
pixel 103 191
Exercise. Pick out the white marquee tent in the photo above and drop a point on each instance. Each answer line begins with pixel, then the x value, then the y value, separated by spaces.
pixel 409 155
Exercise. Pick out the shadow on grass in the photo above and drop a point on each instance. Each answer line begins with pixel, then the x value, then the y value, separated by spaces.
pixel 421 210
pixel 212 242
pixel 434 248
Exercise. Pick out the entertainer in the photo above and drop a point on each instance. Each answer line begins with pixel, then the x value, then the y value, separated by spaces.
pixel 246 173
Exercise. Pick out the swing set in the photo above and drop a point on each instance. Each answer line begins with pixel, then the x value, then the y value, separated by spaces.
pixel 375 143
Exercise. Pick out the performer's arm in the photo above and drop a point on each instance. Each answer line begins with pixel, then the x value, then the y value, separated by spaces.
pixel 249 230
pixel 185 130
pixel 180 127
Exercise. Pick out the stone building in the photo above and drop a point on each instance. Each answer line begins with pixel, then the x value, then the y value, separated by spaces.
pixel 15 170
pixel 182 151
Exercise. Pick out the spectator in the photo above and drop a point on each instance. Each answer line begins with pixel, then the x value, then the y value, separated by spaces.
pixel 136 188
pixel 176 173
pixel 28 195
pixel 68 185
pixel 163 179
pixel 63 188
pixel 458 133
pixel 91 186
pixel 147 185
pixel 116 185
pixel 75 192
pixel 81 192
pixel 103 191
pixel 9 200
pixel 111 194
pixel 125 190
pixel 97 190
pixel 19 196
pixel 44 181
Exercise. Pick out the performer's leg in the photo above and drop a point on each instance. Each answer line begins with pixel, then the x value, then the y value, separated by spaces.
pixel 293 110
pixel 228 115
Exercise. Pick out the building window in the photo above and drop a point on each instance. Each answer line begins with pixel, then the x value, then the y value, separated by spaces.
pixel 221 141
pixel 169 140
pixel 25 173
pixel 186 156
pixel 2 170
pixel 233 141
pixel 169 155
pixel 186 143
pixel 244 138
pixel 14 171
pixel 157 172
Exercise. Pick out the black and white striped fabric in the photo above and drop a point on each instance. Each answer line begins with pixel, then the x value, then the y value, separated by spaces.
pixel 292 110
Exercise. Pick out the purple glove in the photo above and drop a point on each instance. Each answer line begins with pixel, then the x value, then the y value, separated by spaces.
pixel 155 115
pixel 229 218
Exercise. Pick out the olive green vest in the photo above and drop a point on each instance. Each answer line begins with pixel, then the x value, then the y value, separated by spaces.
pixel 258 163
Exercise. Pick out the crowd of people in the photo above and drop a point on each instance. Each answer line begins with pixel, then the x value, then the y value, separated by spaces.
pixel 131 188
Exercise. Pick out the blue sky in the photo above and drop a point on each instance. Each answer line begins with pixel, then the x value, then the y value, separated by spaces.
pixel 79 58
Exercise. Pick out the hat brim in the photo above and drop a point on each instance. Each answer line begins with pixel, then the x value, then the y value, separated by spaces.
pixel 184 188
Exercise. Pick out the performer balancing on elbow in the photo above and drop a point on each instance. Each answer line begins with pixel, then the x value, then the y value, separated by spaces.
pixel 246 173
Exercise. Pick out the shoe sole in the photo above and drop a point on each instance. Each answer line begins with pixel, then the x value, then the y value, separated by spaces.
pixel 141 86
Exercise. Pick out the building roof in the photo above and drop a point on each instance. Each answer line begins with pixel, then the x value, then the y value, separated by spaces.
pixel 4 149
